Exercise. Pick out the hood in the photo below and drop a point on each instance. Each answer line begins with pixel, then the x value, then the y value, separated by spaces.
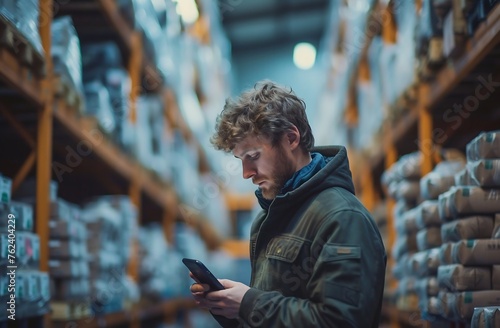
pixel 336 173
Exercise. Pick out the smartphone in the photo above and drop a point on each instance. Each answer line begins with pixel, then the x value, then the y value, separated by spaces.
pixel 201 272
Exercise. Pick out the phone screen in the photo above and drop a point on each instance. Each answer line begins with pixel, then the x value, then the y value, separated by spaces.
pixel 201 272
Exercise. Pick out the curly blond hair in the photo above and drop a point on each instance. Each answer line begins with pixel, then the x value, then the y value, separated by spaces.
pixel 267 110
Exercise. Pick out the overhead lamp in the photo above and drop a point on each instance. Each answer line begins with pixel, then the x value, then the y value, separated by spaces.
pixel 304 55
pixel 188 10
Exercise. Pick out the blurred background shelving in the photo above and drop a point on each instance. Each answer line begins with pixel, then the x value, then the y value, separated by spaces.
pixel 107 107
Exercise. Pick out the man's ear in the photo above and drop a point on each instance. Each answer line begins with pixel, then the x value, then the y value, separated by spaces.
pixel 293 137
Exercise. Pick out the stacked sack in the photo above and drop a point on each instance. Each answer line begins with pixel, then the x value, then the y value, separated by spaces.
pixel 427 260
pixel 486 317
pixel 402 184
pixel 469 276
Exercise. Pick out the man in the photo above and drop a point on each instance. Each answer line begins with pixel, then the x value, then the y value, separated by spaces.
pixel 317 256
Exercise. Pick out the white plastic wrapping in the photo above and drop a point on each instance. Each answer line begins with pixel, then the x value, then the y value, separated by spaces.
pixel 440 179
pixel 485 173
pixel 485 145
pixel 99 105
pixel 28 12
pixel 66 54
pixel 162 274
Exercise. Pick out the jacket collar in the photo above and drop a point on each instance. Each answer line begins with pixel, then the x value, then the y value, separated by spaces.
pixel 329 168
pixel 297 179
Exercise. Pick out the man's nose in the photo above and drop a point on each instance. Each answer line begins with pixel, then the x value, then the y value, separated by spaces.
pixel 248 171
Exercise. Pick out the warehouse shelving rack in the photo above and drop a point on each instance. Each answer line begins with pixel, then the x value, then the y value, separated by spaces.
pixel 423 125
pixel 43 130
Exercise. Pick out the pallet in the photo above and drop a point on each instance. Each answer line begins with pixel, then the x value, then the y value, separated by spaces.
pixel 71 310
pixel 12 39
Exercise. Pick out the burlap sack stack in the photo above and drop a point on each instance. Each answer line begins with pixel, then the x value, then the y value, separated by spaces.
pixel 429 241
pixel 402 184
pixel 469 275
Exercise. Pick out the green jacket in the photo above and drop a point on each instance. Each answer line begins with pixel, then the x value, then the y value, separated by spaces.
pixel 317 256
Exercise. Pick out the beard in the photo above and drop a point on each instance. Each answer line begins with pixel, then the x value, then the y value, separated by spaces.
pixel 283 170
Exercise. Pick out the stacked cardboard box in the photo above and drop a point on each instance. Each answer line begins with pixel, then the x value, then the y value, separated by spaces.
pixel 107 84
pixel 162 274
pixel 20 259
pixel 111 222
pixel 24 16
pixel 153 146
pixel 67 60
pixel 68 254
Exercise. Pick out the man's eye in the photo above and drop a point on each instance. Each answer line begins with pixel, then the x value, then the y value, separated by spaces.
pixel 254 157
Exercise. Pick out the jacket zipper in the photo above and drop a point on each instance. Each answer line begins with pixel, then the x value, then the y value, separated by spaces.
pixel 254 244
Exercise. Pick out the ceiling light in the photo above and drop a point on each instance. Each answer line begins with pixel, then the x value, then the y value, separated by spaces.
pixel 304 55
pixel 188 11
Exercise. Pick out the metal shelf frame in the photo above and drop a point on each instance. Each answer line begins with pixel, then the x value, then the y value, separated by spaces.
pixel 28 105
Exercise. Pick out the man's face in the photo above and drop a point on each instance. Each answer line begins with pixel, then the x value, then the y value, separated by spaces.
pixel 268 167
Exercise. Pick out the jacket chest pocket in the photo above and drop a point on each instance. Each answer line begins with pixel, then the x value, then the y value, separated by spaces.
pixel 284 249
pixel 282 268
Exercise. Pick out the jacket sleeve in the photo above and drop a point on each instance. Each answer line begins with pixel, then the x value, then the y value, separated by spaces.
pixel 343 279
pixel 225 322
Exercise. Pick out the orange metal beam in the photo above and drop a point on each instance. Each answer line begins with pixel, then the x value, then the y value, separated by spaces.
pixel 135 69
pixel 20 77
pixel 389 29
pixel 44 140
pixel 237 248
pixel 425 131
pixel 369 196
pixel 112 12
pixel 24 170
pixel 418 5
pixel 364 74
pixel 240 202
pixel 391 158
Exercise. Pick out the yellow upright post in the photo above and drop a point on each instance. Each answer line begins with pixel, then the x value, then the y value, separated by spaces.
pixel 135 70
pixel 425 130
pixel 44 144
pixel 44 139
pixel 169 215
pixel 369 196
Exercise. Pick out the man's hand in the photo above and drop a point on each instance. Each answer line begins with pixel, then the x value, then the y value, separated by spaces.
pixel 222 302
